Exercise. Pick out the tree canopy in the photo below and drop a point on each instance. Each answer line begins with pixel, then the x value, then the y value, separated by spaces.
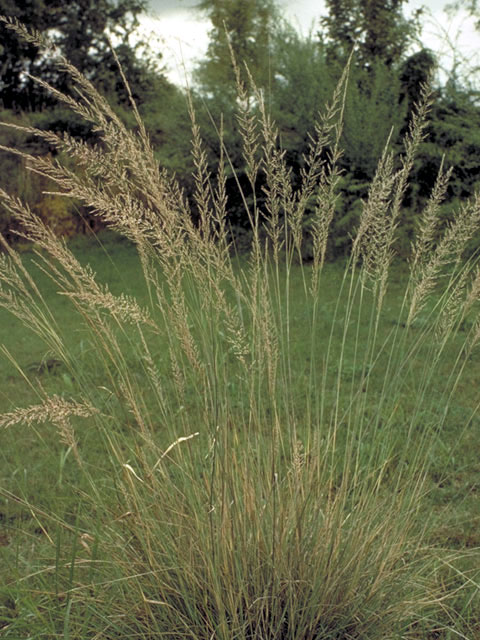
pixel 246 27
pixel 80 29
pixel 296 74
pixel 378 28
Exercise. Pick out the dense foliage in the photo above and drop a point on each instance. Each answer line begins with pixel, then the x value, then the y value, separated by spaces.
pixel 295 73
pixel 80 30
pixel 386 75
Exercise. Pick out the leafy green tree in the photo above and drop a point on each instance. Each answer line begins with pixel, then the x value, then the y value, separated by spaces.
pixel 372 113
pixel 246 26
pixel 454 137
pixel 80 29
pixel 303 84
pixel 377 28
pixel 373 118
pixel 384 85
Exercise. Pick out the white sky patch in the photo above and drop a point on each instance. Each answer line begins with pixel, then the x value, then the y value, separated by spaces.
pixel 183 38
pixel 304 15
pixel 183 32
pixel 454 39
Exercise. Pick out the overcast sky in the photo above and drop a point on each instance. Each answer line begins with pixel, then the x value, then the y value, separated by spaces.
pixel 184 31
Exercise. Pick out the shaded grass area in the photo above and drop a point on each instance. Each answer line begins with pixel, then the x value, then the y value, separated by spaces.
pixel 42 485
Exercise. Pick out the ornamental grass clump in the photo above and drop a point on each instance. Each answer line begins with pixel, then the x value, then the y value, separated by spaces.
pixel 225 487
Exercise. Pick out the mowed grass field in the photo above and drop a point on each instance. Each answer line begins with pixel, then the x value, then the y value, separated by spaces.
pixel 46 513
